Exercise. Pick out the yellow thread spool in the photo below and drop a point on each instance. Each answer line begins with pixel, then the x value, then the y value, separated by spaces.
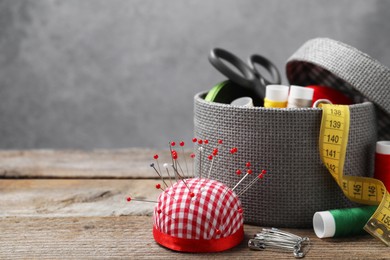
pixel 270 103
pixel 276 96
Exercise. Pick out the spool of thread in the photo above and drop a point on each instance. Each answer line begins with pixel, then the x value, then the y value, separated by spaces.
pixel 335 96
pixel 342 222
pixel 300 97
pixel 382 163
pixel 242 102
pixel 276 96
pixel 319 102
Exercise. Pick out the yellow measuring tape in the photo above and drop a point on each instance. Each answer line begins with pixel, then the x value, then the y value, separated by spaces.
pixel 333 145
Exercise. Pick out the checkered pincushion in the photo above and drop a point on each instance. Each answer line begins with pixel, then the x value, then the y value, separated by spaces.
pixel 198 215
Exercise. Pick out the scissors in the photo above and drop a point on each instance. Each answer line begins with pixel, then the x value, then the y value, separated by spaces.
pixel 249 83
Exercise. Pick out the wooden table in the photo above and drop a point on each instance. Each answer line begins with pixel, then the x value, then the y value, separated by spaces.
pixel 71 204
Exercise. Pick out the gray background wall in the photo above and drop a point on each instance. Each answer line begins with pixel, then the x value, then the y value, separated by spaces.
pixel 113 74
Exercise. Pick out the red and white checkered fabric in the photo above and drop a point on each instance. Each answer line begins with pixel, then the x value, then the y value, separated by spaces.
pixel 213 212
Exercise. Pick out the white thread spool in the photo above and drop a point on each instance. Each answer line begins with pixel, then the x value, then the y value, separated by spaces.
pixel 300 97
pixel 242 102
pixel 324 224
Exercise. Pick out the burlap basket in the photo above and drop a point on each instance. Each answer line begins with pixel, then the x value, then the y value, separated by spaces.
pixel 285 142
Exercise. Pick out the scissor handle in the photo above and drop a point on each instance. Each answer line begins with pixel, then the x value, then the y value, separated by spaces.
pixel 245 80
pixel 269 66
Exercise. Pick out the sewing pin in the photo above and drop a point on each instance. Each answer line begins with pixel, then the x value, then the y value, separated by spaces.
pixel 129 199
pixel 249 171
pixel 214 154
pixel 170 149
pixel 165 165
pixel 174 156
pixel 158 164
pixel 200 162
pixel 152 165
pixel 211 157
pixel 185 160
pixel 183 180
pixel 193 165
pixel 177 162
pixel 158 186
pixel 260 176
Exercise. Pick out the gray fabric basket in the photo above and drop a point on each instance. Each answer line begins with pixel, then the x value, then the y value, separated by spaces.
pixel 285 143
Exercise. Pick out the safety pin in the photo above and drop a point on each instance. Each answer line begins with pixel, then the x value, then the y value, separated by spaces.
pixel 277 239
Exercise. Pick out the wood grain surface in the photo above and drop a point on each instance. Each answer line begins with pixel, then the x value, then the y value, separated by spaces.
pixel 125 163
pixel 76 197
pixel 130 237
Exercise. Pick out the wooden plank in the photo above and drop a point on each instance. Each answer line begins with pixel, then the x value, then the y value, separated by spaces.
pixel 80 197
pixel 130 237
pixel 125 163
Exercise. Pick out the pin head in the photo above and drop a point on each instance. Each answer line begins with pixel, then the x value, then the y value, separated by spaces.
pixel 155 156
pixel 174 155
pixel 194 140
pixel 181 144
pixel 233 150
pixel 173 143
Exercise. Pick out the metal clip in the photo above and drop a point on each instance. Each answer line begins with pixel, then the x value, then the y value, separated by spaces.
pixel 277 239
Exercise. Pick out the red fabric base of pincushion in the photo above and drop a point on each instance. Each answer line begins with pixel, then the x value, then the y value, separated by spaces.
pixel 198 245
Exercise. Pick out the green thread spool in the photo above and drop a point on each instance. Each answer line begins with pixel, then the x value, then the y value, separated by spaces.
pixel 342 222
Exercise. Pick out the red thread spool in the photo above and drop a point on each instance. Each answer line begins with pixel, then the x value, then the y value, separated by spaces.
pixel 382 163
pixel 335 96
